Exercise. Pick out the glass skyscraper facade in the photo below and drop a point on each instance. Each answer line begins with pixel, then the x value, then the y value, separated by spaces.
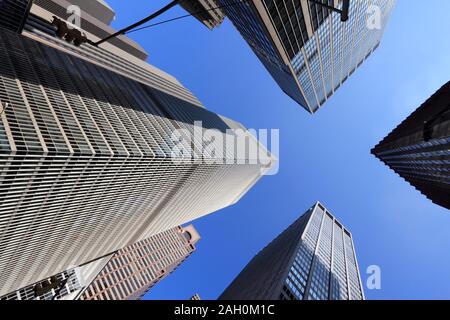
pixel 418 150
pixel 126 274
pixel 306 48
pixel 314 259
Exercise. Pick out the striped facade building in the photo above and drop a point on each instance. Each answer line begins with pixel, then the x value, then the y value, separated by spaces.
pixel 306 47
pixel 86 150
pixel 418 150
pixel 313 259
pixel 135 269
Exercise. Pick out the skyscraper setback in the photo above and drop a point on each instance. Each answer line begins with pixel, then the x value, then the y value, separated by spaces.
pixel 313 259
pixel 418 150
pixel 306 47
pixel 86 141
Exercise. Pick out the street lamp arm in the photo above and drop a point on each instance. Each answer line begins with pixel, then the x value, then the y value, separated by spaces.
pixel 137 24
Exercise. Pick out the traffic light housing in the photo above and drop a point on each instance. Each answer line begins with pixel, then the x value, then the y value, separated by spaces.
pixel 71 35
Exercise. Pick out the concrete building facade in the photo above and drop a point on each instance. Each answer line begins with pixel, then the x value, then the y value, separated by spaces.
pixel 126 274
pixel 134 270
pixel 86 150
pixel 313 259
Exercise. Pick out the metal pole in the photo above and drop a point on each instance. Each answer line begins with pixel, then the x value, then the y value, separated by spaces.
pixel 344 12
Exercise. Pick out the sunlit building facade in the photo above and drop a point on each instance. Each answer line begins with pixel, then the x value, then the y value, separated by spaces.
pixel 87 149
pixel 306 48
pixel 313 259
pixel 127 274
pixel 207 12
pixel 196 297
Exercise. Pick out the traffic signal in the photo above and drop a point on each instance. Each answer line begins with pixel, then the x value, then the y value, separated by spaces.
pixel 61 27
pixel 71 35
pixel 46 286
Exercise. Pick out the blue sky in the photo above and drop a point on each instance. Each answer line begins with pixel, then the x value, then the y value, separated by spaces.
pixel 324 157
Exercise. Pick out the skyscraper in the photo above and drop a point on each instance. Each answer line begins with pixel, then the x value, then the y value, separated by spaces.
pixel 313 259
pixel 133 270
pixel 87 141
pixel 419 148
pixel 95 18
pixel 306 47
pixel 123 275
pixel 205 11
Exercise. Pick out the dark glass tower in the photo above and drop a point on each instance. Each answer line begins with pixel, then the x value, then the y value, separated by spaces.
pixel 419 148
pixel 313 259
pixel 126 274
pixel 305 47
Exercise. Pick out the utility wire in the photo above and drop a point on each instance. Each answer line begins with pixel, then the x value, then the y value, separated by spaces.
pixel 187 16
pixel 137 24
pixel 134 27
